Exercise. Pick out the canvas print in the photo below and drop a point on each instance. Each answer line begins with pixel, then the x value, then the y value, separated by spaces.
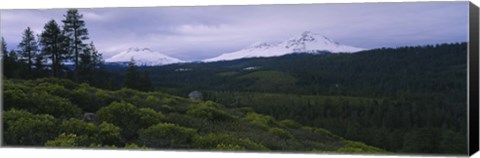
pixel 376 78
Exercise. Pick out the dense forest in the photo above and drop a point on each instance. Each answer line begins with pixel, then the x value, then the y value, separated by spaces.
pixel 402 100
pixel 408 99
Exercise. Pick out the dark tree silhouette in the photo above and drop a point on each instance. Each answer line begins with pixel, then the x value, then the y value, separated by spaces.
pixel 54 46
pixel 29 48
pixel 76 32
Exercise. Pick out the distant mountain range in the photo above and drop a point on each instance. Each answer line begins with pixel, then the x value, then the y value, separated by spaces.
pixel 307 42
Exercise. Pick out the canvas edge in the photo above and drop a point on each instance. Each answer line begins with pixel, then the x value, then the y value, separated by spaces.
pixel 473 80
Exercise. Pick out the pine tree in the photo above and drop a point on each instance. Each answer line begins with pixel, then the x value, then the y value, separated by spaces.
pixel 54 45
pixel 29 48
pixel 131 77
pixel 146 84
pixel 76 32
pixel 97 58
pixel 39 67
pixel 90 59
pixel 4 48
pixel 6 61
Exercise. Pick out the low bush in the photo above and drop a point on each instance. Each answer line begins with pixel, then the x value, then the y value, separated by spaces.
pixel 216 141
pixel 166 135
pixel 280 133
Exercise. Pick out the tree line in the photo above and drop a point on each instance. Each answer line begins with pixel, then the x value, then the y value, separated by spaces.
pixel 63 51
pixel 46 54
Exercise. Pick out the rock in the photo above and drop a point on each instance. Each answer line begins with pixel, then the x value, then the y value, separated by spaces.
pixel 195 95
pixel 89 117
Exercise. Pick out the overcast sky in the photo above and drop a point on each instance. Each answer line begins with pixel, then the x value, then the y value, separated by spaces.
pixel 194 33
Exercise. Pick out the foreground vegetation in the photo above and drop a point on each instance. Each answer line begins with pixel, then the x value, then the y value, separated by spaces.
pixel 61 113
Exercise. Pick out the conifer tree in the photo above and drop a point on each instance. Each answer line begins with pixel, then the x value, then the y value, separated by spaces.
pixel 39 66
pixel 4 48
pixel 54 46
pixel 74 27
pixel 90 59
pixel 146 84
pixel 29 48
pixel 131 77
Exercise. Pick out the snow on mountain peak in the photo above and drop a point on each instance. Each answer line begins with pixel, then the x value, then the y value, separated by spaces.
pixel 136 49
pixel 143 57
pixel 262 45
pixel 307 42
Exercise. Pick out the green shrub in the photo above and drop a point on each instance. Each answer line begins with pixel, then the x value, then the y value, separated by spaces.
pixel 290 124
pixel 211 104
pixel 259 120
pixel 84 96
pixel 89 133
pixel 16 98
pixel 358 147
pixel 212 141
pixel 326 133
pixel 128 117
pixel 209 113
pixel 109 134
pixel 166 109
pixel 63 140
pixel 68 84
pixel 59 107
pixel 134 146
pixel 148 117
pixel 40 103
pixel 166 135
pixel 280 133
pixel 168 101
pixel 229 147
pixel 54 89
pixel 245 110
pixel 24 128
pixel 78 127
pixel 153 102
pixel 104 97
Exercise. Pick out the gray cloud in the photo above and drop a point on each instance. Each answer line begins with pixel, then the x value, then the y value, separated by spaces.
pixel 193 33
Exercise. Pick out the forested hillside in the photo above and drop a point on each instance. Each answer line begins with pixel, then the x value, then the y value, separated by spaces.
pixel 409 99
pixel 60 113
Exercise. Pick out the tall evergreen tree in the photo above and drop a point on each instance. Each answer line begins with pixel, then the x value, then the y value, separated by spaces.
pixel 54 45
pixel 145 83
pixel 29 48
pixel 90 59
pixel 4 48
pixel 90 65
pixel 132 77
pixel 74 27
pixel 5 62
pixel 97 58
pixel 11 67
pixel 39 66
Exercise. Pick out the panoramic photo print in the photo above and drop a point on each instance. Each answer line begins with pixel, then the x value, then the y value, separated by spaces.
pixel 364 78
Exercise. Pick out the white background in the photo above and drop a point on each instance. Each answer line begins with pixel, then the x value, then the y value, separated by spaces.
pixel 82 153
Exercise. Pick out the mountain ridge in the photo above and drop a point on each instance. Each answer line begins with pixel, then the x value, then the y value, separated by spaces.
pixel 143 57
pixel 307 42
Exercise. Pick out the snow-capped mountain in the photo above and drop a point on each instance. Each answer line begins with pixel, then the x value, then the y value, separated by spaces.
pixel 307 42
pixel 143 57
